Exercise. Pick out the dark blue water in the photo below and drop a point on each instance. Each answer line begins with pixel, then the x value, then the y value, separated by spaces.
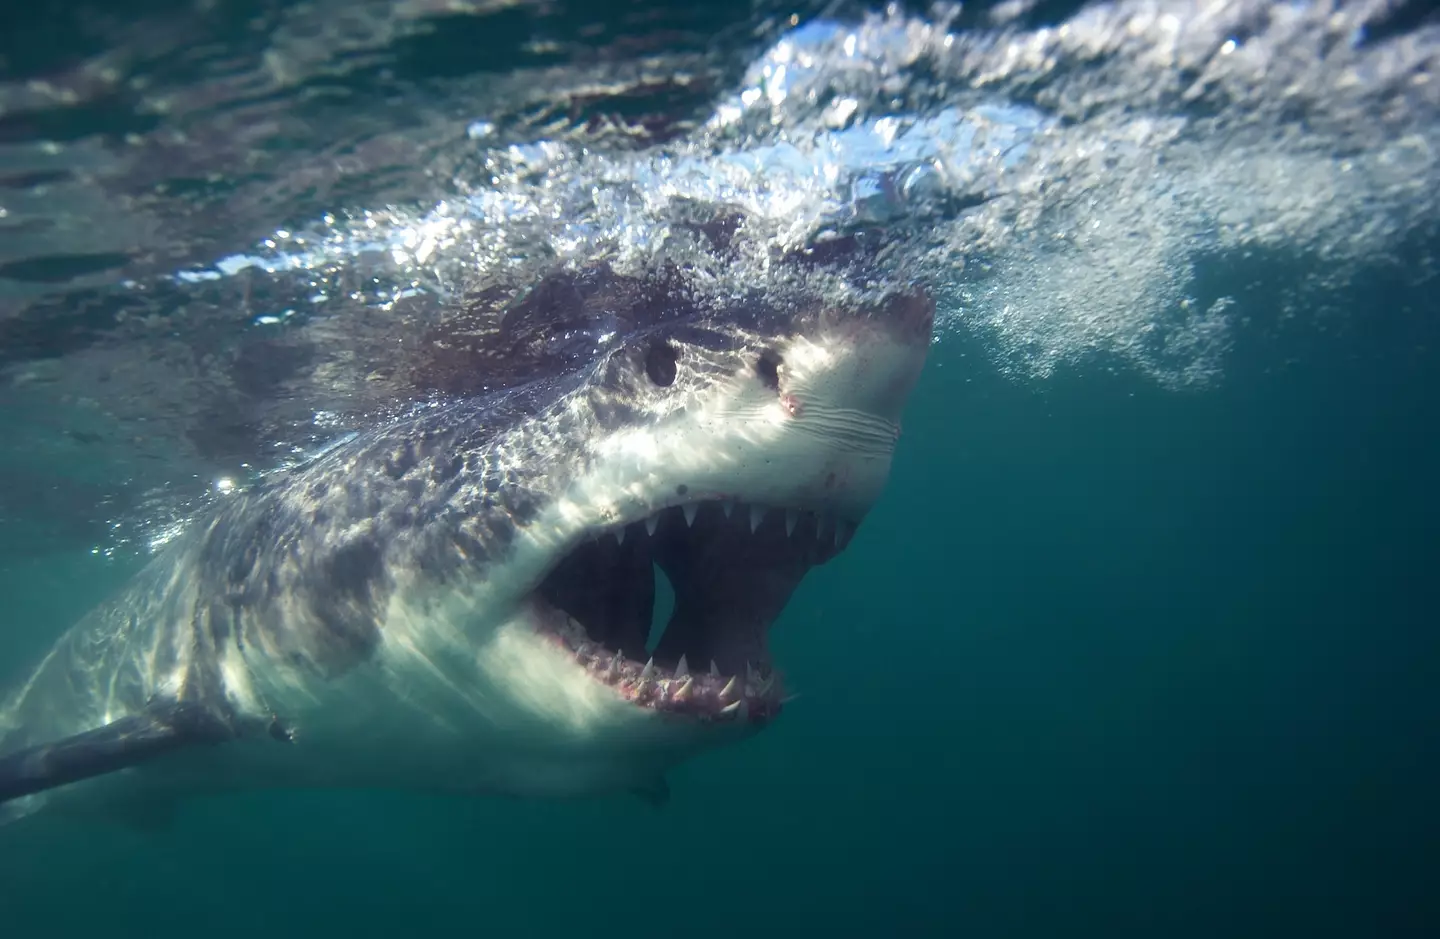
pixel 1109 659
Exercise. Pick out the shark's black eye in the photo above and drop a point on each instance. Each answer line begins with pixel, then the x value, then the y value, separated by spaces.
pixel 660 365
pixel 768 368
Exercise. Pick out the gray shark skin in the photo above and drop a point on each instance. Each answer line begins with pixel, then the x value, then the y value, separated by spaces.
pixel 459 601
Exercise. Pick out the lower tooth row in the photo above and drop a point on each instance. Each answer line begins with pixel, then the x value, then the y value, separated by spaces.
pixel 683 684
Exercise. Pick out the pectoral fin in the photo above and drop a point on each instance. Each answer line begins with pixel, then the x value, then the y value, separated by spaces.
pixel 163 728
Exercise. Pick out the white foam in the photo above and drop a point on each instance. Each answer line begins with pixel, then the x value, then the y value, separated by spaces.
pixel 1061 189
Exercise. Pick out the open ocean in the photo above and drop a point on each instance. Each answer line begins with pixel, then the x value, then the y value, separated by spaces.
pixel 1143 638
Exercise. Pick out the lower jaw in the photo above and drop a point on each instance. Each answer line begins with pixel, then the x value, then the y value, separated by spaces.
pixel 693 691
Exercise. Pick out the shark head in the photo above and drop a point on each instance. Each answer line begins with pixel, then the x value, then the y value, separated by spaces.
pixel 730 454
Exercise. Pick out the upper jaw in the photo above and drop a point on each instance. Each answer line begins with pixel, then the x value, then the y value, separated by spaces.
pixel 828 529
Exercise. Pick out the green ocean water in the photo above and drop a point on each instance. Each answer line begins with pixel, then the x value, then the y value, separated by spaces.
pixel 1106 660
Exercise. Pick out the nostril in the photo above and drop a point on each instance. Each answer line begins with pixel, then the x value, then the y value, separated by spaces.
pixel 768 368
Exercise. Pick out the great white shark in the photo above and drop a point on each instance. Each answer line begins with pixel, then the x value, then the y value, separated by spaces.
pixel 459 600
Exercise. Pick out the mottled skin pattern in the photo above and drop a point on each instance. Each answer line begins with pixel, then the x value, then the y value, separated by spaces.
pixel 372 576
pixel 303 571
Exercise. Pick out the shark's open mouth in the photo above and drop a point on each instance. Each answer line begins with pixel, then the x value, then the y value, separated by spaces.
pixel 733 567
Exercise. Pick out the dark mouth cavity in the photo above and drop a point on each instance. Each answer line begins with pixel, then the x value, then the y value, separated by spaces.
pixel 732 567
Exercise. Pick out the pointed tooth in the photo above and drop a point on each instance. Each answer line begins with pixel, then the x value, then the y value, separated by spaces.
pixel 652 523
pixel 683 669
pixel 727 507
pixel 683 692
pixel 732 708
pixel 756 514
pixel 791 517
pixel 750 674
pixel 620 535
pixel 714 669
pixel 649 670
pixel 730 687
pixel 690 511
pixel 765 686
pixel 743 711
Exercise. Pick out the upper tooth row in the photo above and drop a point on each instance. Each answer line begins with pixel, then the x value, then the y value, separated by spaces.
pixel 837 530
